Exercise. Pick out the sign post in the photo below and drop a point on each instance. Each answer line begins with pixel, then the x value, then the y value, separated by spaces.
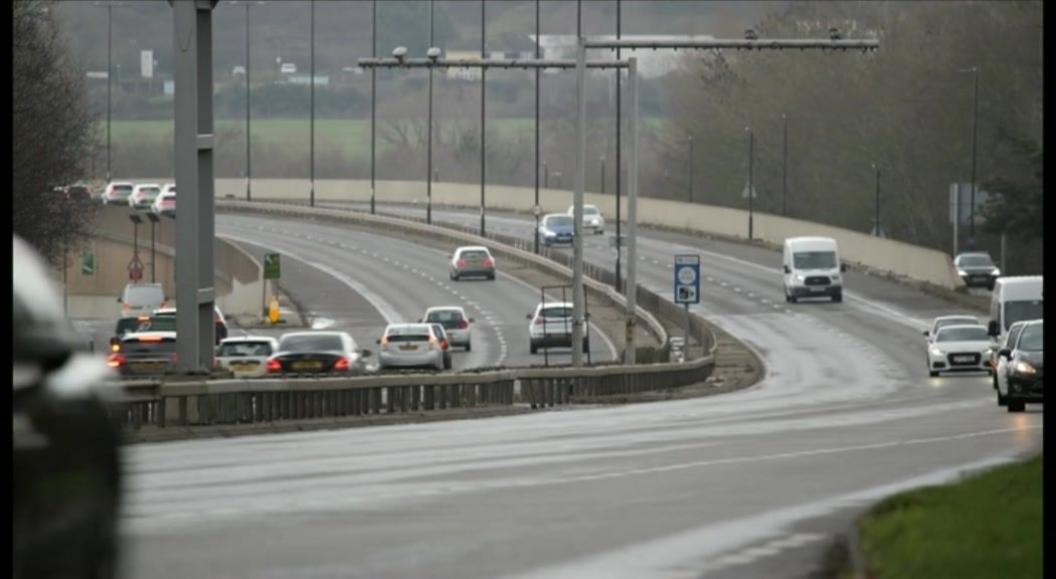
pixel 687 288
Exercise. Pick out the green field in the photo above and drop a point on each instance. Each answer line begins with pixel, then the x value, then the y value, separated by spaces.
pixel 986 526
pixel 351 135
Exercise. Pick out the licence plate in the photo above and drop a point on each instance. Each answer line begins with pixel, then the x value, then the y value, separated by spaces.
pixel 968 359
pixel 307 365
pixel 817 288
pixel 147 367
pixel 408 347
pixel 244 366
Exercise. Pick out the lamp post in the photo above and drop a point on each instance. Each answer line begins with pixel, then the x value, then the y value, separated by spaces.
pixel 975 134
pixel 483 119
pixel 109 82
pixel 876 170
pixel 602 174
pixel 153 219
pixel 751 190
pixel 784 167
pixel 535 206
pixel 249 165
pixel 373 95
pixel 311 98
pixel 546 175
pixel 689 167
pixel 429 143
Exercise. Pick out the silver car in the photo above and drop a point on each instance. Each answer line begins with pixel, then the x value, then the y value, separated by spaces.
pixel 410 346
pixel 245 356
pixel 456 323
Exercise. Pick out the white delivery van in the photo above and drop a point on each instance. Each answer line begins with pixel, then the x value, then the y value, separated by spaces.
pixel 1014 299
pixel 812 269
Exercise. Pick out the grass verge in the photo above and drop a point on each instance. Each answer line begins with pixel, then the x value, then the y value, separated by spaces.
pixel 986 526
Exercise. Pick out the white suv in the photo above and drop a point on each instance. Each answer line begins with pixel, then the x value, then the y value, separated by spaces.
pixel 455 322
pixel 143 195
pixel 552 326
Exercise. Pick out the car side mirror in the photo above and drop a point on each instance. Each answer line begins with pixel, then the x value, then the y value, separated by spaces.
pixel 472 321
pixel 118 300
pixel 366 353
pixel 926 333
pixel 787 270
pixel 419 320
pixel 377 341
pixel 991 328
pixel 843 267
pixel 528 317
pixel 1005 353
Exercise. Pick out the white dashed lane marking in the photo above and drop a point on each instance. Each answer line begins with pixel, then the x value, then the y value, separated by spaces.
pixel 767 549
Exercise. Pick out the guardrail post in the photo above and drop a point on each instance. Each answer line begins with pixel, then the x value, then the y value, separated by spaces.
pixel 388 392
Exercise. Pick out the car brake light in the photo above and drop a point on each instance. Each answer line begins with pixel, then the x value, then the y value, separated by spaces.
pixel 539 321
pixel 342 365
pixel 384 342
pixel 461 263
pixel 115 347
pixel 116 361
pixel 489 262
pixel 463 325
pixel 432 343
pixel 274 367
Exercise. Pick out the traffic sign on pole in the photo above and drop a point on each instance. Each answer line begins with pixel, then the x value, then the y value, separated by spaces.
pixel 687 279
pixel 271 266
pixel 88 263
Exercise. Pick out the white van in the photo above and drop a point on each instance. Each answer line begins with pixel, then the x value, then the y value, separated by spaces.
pixel 141 298
pixel 1014 299
pixel 812 269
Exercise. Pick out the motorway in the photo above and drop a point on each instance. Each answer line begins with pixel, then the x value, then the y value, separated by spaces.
pixel 748 484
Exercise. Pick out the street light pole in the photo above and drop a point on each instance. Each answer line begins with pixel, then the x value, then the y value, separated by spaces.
pixel 602 175
pixel 631 290
pixel 311 98
pixel 373 94
pixel 784 168
pixel 109 82
pixel 619 148
pixel 249 165
pixel 751 190
pixel 429 131
pixel 975 128
pixel 546 175
pixel 483 97
pixel 689 164
pixel 876 170
pixel 577 205
pixel 535 207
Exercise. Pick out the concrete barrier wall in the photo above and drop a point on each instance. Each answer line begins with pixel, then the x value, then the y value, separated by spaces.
pixel 238 275
pixel 899 258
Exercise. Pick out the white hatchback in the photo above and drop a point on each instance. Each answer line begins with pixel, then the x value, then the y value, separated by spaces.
pixel 551 325
pixel 592 218
pixel 965 348
pixel 410 345
pixel 245 356
pixel 143 196
pixel 456 323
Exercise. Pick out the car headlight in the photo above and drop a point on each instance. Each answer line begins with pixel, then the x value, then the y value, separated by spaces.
pixel 961 273
pixel 996 272
pixel 937 352
pixel 799 277
pixel 1024 368
pixel 549 233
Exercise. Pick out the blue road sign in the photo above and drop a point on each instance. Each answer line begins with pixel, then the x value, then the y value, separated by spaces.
pixel 687 279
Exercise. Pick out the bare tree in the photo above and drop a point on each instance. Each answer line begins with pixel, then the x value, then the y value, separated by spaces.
pixel 52 135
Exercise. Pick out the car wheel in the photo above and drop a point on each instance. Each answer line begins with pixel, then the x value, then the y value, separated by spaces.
pixel 447 362
pixel 837 297
pixel 1001 399
pixel 469 346
pixel 791 299
pixel 1016 406
pixel 533 348
pixel 491 277
pixel 586 346
pixel 933 373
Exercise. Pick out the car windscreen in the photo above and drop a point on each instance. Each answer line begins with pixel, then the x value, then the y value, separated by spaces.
pixel 1032 339
pixel 558 312
pixel 148 345
pixel 319 343
pixel 963 335
pixel 590 210
pixel 976 261
pixel 559 221
pixel 144 296
pixel 150 190
pixel 954 322
pixel 123 188
pixel 442 316
pixel 814 259
pixel 1022 310
pixel 156 324
pixel 240 349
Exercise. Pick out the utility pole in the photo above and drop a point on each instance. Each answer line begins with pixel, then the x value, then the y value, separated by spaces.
pixel 784 168
pixel 619 148
pixel 429 144
pixel 109 82
pixel 311 106
pixel 602 159
pixel 975 134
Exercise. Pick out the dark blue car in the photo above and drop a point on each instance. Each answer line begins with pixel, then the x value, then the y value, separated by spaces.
pixel 556 228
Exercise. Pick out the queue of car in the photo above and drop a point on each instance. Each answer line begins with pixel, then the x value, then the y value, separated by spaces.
pixel 158 199
pixel 1010 347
